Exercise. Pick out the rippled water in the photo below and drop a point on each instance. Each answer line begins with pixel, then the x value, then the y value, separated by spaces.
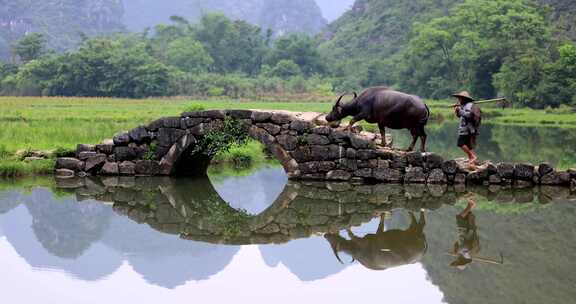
pixel 262 239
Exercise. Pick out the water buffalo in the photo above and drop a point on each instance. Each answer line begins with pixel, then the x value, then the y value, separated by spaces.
pixel 387 108
pixel 385 249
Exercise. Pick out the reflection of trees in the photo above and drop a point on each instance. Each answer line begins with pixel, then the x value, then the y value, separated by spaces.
pixel 539 257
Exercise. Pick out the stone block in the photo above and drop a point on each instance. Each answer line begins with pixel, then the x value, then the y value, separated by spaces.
pixel 361 142
pixel 437 176
pixel 240 114
pixel 495 179
pixel 460 179
pixel 477 177
pixel 288 142
pixel 147 168
pixel 69 163
pixel 365 173
pixel 339 175
pixel 260 116
pixel 84 155
pixel 64 173
pixel 505 170
pixel 281 118
pixel 110 169
pixel 168 136
pixel 106 149
pixel 399 162
pixel 272 129
pixel 339 136
pixel 320 152
pixel 189 122
pixel 572 173
pixel 544 169
pixel 351 153
pixel 450 167
pixel 127 168
pixel 315 139
pixel 365 154
pixel 95 162
pixel 84 148
pixel 415 175
pixel 301 126
pixel 524 172
pixel 302 154
pixel 556 179
pixel 121 139
pixel 387 175
pixel 139 135
pixel 124 153
pixel 415 159
pixel 347 164
pixel 433 161
pixel 322 130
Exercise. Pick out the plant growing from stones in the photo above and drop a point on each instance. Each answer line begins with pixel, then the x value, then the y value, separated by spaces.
pixel 151 153
pixel 221 139
pixel 302 141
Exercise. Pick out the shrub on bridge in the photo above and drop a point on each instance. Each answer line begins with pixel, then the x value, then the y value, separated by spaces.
pixel 221 139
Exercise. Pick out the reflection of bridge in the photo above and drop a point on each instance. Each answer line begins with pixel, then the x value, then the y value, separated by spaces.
pixel 86 239
pixel 304 145
pixel 192 208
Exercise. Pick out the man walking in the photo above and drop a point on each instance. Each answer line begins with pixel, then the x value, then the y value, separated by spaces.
pixel 470 118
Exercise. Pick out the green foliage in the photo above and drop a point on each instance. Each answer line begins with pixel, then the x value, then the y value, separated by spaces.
pixel 298 49
pixel 235 46
pixel 63 152
pixel 188 55
pixel 467 47
pixel 29 47
pixel 221 138
pixel 195 108
pixel 151 153
pixel 286 69
pixel 101 67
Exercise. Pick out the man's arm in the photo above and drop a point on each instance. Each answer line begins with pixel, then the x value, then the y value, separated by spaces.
pixel 464 111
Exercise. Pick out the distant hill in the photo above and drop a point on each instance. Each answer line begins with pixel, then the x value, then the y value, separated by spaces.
pixel 63 22
pixel 332 9
pixel 278 15
pixel 377 30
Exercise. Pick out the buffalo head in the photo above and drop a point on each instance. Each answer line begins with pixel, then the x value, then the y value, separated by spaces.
pixel 338 112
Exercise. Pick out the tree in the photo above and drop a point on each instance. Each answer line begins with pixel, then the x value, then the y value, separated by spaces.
pixel 188 55
pixel 286 69
pixel 235 46
pixel 300 49
pixel 29 47
pixel 469 46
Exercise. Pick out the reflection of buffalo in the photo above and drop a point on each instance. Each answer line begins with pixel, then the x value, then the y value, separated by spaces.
pixel 385 249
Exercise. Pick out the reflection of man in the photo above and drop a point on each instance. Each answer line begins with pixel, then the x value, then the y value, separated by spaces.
pixel 468 242
pixel 467 247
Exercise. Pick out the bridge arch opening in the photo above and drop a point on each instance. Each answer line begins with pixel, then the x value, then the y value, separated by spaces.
pixel 193 153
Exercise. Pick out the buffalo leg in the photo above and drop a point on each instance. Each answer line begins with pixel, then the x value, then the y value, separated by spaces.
pixel 383 134
pixel 423 137
pixel 414 133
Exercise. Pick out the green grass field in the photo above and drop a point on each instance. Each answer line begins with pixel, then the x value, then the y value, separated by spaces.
pixel 52 123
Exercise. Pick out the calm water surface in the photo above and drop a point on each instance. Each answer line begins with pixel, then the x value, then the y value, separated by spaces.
pixel 262 239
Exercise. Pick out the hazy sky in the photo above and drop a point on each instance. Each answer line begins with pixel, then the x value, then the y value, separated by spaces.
pixel 333 9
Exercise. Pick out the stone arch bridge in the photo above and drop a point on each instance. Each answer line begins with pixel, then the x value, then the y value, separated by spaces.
pixel 304 144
